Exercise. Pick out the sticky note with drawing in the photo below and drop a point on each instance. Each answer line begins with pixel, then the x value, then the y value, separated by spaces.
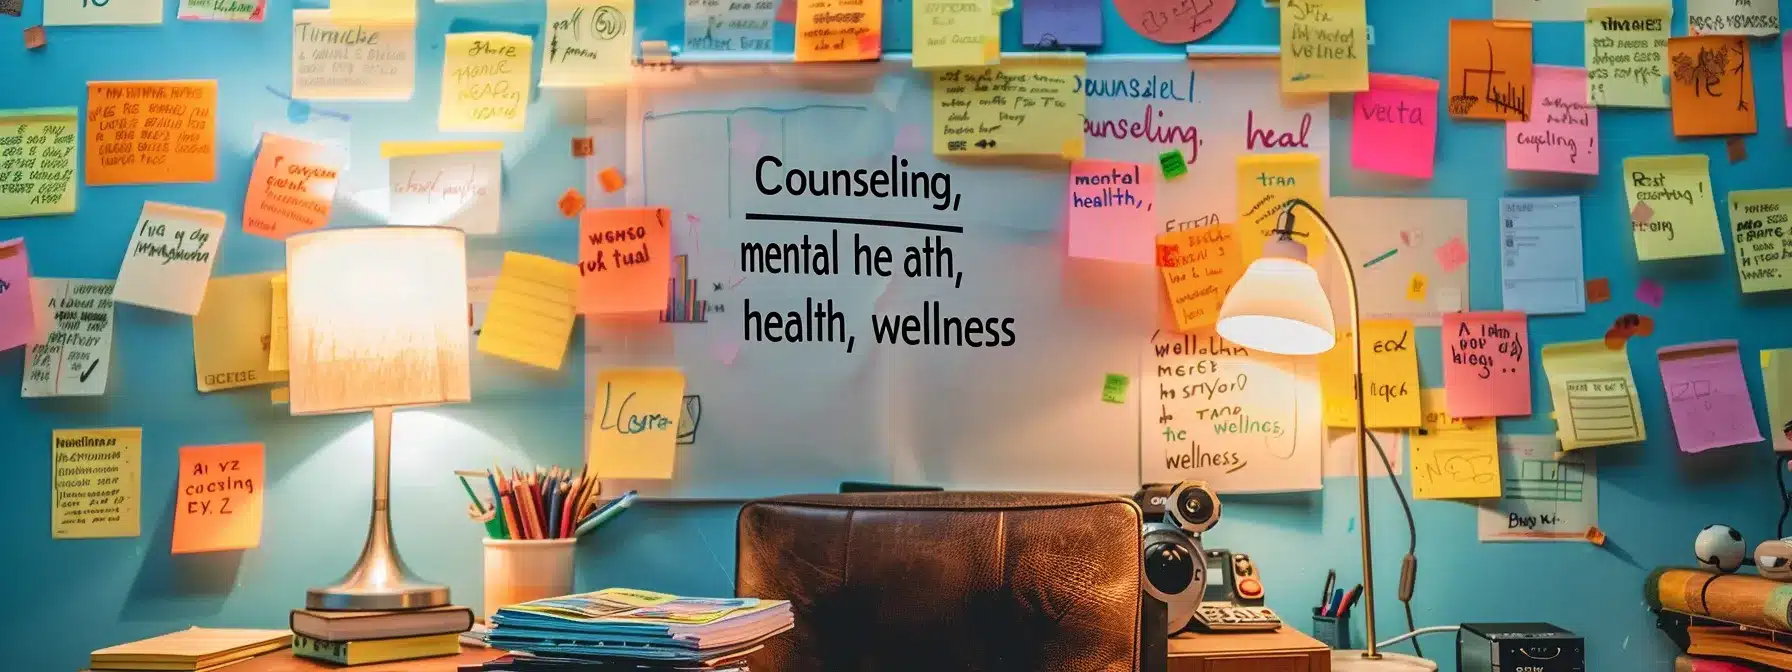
pixel 1453 458
pixel 1675 213
pixel 1547 497
pixel 635 418
pixel 1490 69
pixel 1594 394
pixel 590 43
pixel 1712 85
pixel 1707 396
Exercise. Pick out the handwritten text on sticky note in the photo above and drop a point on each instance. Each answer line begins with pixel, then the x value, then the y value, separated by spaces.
pixel 1562 135
pixel 624 260
pixel 39 169
pixel 1110 211
pixel 169 259
pixel 485 82
pixel 1679 219
pixel 151 132
pixel 1487 364
pixel 1394 126
pixel 96 482
pixel 217 506
pixel 634 431
pixel 1199 266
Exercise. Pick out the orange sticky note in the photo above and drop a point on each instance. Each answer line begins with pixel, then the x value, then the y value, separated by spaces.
pixel 571 203
pixel 218 504
pixel 1487 364
pixel 625 260
pixel 1199 267
pixel 1490 69
pixel 839 30
pixel 1712 87
pixel 34 37
pixel 151 132
pixel 292 187
pixel 611 179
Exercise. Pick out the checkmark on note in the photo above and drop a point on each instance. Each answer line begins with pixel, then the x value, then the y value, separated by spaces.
pixel 89 371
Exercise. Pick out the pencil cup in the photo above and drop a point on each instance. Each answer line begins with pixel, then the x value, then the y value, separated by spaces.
pixel 518 571
pixel 1332 631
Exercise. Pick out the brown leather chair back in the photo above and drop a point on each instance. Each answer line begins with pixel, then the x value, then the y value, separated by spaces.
pixel 946 581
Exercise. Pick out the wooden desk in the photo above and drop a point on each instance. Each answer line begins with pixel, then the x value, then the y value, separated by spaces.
pixel 1285 650
pixel 284 661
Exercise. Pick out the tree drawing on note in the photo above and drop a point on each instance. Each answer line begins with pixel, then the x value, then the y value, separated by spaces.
pixel 1490 70
pixel 1712 89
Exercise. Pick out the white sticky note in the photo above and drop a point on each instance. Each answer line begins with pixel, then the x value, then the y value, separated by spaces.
pixel 454 189
pixel 170 257
pixel 72 352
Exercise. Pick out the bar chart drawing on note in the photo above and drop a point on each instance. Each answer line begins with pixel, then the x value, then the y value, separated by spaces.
pixel 1603 409
pixel 682 304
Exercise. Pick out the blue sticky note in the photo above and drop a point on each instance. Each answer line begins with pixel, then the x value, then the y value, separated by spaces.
pixel 1541 270
pixel 1052 24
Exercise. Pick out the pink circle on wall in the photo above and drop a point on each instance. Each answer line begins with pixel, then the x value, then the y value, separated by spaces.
pixel 1175 21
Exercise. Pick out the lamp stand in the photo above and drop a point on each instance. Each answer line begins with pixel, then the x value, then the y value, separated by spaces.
pixel 379 581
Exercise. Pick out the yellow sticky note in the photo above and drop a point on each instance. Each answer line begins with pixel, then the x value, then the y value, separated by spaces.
pixel 1594 394
pixel 1677 217
pixel 1776 378
pixel 1761 221
pixel 1415 287
pixel 1627 55
pixel 532 309
pixel 96 482
pixel 217 502
pixel 277 334
pixel 839 30
pixel 1025 105
pixel 485 82
pixel 956 33
pixel 1266 182
pixel 634 427
pixel 374 10
pixel 1453 458
pixel 233 332
pixel 590 43
pixel 1325 46
pixel 1390 377
pixel 39 166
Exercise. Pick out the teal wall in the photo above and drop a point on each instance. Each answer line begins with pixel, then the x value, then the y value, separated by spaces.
pixel 70 597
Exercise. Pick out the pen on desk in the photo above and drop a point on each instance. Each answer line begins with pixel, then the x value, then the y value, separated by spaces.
pixel 1331 580
pixel 605 513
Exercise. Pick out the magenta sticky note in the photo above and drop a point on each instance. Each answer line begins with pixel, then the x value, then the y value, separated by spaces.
pixel 1487 364
pixel 18 319
pixel 1650 292
pixel 1452 255
pixel 1110 211
pixel 1562 135
pixel 1393 126
pixel 1707 396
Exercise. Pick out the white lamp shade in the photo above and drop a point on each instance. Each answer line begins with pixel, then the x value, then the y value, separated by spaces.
pixel 377 317
pixel 1278 306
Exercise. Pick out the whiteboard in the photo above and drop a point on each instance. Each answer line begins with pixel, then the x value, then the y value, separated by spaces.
pixel 1026 413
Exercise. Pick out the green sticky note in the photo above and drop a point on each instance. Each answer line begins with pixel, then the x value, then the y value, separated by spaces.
pixel 1173 164
pixel 1113 390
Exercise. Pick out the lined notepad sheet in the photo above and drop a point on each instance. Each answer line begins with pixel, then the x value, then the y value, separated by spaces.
pixel 531 312
pixel 191 649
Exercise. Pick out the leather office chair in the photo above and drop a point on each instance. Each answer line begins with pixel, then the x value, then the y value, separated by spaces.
pixel 946 581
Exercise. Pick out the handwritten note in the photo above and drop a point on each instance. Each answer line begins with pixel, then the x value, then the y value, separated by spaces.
pixel 634 431
pixel 291 188
pixel 728 25
pixel 37 161
pixel 625 256
pixel 1199 266
pixel 222 10
pixel 1541 271
pixel 334 58
pixel 1594 393
pixel 18 311
pixel 1110 211
pixel 1707 396
pixel 1243 421
pixel 1024 106
pixel 151 132
pixel 1562 135
pixel 1763 238
pixel 1394 128
pixel 170 257
pixel 1390 377
pixel 1060 23
pixel 112 12
pixel 1733 17
pixel 1712 85
pixel 1776 379
pixel 1627 53
pixel 839 30
pixel 1324 46
pixel 1487 364
pixel 531 313
pixel 1174 21
pixel 1546 497
pixel 485 82
pixel 1453 457
pixel 71 354
pixel 96 482
pixel 1266 182
pixel 217 506
pixel 590 43
pixel 1681 219
pixel 956 33
pixel 279 334
pixel 232 334
pixel 1490 69
pixel 458 185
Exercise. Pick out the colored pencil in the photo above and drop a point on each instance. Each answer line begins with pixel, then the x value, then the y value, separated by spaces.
pixel 552 515
pixel 503 516
pixel 576 491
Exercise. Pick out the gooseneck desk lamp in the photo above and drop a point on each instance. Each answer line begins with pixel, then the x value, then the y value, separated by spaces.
pixel 378 320
pixel 1277 306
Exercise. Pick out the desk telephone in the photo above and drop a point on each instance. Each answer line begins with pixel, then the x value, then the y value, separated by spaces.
pixel 1233 601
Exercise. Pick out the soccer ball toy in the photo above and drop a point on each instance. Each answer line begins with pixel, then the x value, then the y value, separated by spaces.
pixel 1720 548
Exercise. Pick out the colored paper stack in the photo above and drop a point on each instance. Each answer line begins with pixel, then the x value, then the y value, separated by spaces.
pixel 363 637
pixel 619 628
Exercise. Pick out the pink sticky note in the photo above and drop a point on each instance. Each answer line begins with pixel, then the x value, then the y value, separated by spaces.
pixel 18 320
pixel 726 352
pixel 910 139
pixel 1452 255
pixel 1707 396
pixel 1110 211
pixel 1650 292
pixel 1487 364
pixel 1562 135
pixel 1394 126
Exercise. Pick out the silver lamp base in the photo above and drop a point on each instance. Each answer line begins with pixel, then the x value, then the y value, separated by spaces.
pixel 351 597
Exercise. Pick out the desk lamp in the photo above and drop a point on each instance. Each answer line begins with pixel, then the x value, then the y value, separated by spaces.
pixel 378 320
pixel 1277 306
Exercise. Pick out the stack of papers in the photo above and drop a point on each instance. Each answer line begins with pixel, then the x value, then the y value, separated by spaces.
pixel 618 625
pixel 192 649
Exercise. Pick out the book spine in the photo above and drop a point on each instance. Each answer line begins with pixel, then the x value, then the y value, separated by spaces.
pixel 334 652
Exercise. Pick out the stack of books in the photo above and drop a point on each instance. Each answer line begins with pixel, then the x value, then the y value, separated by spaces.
pixel 363 637
pixel 192 650
pixel 617 629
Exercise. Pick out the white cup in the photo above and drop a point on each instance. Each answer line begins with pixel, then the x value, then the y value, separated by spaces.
pixel 521 570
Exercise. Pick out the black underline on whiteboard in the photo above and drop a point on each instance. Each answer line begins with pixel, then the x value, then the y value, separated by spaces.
pixel 892 223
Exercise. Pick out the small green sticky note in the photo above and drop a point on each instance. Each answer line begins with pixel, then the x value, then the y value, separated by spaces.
pixel 1173 164
pixel 1113 390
